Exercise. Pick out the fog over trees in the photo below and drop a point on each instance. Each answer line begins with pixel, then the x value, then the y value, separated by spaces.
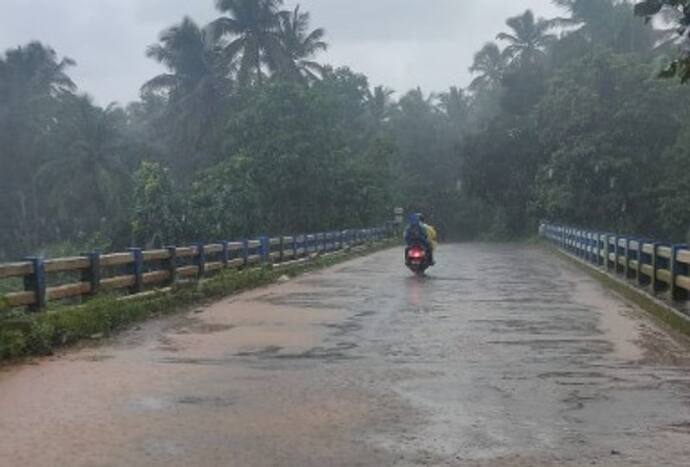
pixel 249 132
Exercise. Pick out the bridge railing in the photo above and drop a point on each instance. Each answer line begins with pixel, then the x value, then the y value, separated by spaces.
pixel 659 267
pixel 138 270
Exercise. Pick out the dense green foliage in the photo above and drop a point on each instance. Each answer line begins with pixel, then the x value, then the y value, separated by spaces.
pixel 247 133
pixel 585 133
pixel 674 11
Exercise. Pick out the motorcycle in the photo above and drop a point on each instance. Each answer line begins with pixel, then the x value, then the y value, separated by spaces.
pixel 417 259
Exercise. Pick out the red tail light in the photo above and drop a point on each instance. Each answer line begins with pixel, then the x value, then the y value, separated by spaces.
pixel 417 253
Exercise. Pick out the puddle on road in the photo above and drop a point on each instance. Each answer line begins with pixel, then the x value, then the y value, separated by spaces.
pixel 201 327
pixel 214 402
pixel 149 404
pixel 94 358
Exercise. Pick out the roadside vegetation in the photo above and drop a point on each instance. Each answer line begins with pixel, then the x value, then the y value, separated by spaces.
pixel 249 132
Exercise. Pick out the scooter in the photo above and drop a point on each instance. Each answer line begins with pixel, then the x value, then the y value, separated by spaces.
pixel 417 259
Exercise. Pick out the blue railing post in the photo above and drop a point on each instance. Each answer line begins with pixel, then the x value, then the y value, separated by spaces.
pixel 171 264
pixel 677 268
pixel 200 259
pixel 566 238
pixel 642 279
pixel 589 247
pixel 225 258
pixel 627 270
pixel 36 283
pixel 265 248
pixel 607 252
pixel 137 270
pixel 622 254
pixel 616 253
pixel 245 252
pixel 92 275
pixel 295 253
pixel 656 283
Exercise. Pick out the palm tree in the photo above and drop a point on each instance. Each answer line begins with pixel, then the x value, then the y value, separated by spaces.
pixel 379 102
pixel 454 104
pixel 252 31
pixel 31 77
pixel 490 64
pixel 300 45
pixel 195 86
pixel 34 70
pixel 91 144
pixel 529 38
pixel 609 23
pixel 32 81
pixel 191 55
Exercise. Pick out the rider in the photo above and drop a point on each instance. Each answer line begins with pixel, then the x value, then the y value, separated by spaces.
pixel 420 232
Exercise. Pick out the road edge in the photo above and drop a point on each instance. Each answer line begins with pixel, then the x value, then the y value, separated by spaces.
pixel 655 306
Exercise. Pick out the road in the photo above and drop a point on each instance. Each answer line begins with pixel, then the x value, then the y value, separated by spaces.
pixel 504 356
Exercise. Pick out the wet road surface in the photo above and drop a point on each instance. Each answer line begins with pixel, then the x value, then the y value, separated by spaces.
pixel 504 356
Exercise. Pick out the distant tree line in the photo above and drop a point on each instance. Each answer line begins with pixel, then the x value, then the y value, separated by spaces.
pixel 247 132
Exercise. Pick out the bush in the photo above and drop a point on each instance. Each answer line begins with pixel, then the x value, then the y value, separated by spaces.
pixel 12 344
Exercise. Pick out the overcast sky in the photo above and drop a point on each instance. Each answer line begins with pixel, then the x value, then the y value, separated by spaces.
pixel 399 43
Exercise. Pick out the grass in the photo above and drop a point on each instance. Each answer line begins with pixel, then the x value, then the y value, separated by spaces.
pixel 24 334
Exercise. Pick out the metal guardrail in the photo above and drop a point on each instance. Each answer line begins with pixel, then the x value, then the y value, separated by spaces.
pixel 659 267
pixel 138 270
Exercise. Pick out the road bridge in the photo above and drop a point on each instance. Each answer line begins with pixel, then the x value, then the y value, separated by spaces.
pixel 506 355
